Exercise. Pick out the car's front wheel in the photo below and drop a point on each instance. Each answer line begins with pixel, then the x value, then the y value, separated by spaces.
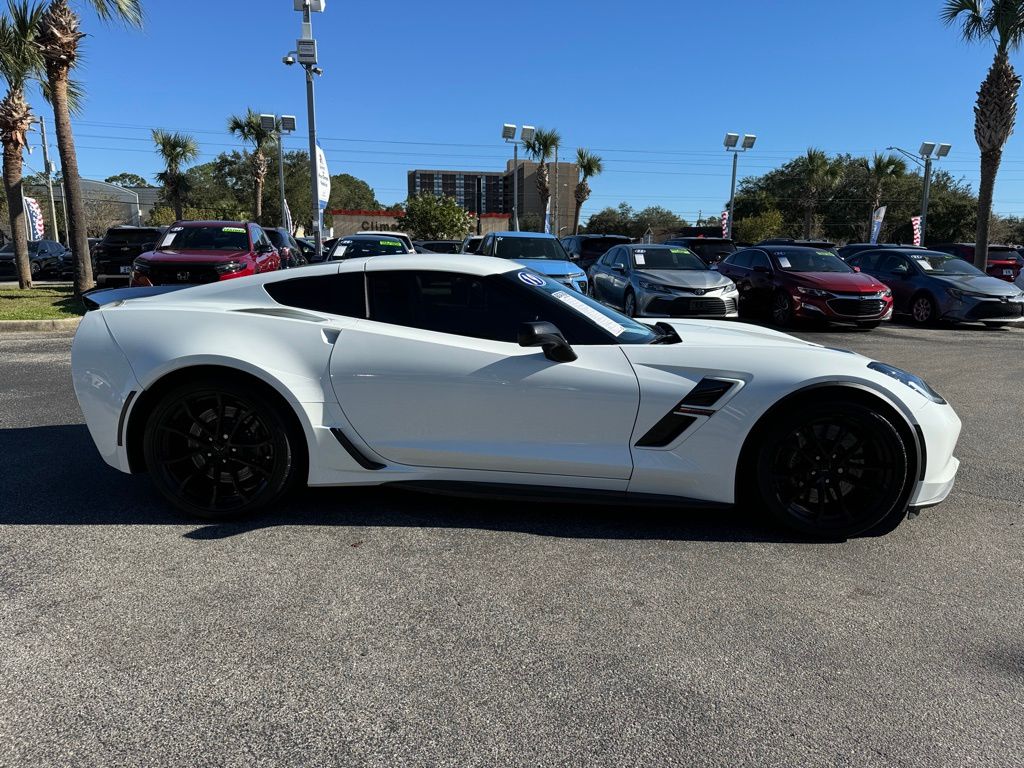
pixel 217 451
pixel 923 310
pixel 782 309
pixel 833 470
pixel 630 305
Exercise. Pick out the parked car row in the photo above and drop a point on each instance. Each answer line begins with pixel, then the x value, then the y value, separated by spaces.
pixel 46 258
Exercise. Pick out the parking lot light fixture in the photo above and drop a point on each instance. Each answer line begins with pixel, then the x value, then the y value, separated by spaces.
pixel 508 133
pixel 925 162
pixel 281 125
pixel 730 143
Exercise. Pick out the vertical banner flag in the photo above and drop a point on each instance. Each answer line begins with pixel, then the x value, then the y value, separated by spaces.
pixel 288 216
pixel 876 223
pixel 323 178
pixel 36 225
pixel 916 222
pixel 725 223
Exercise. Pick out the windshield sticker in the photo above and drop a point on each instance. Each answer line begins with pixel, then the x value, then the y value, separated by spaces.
pixel 531 279
pixel 639 256
pixel 784 262
pixel 240 230
pixel 924 264
pixel 176 229
pixel 678 250
pixel 391 242
pixel 824 253
pixel 168 239
pixel 590 313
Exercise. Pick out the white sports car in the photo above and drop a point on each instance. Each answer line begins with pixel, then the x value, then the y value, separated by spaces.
pixel 477 375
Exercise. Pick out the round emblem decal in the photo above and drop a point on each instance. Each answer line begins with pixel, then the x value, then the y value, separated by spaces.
pixel 531 279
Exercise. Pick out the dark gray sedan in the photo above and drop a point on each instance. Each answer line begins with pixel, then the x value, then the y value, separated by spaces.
pixel 661 281
pixel 930 286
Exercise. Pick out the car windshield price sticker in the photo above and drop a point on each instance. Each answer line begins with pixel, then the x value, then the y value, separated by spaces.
pixel 639 256
pixel 168 239
pixel 784 262
pixel 590 313
pixel 234 229
pixel 678 250
pixel 531 279
pixel 391 242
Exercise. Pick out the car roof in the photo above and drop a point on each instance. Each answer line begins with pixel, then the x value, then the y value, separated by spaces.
pixel 211 223
pixel 621 237
pixel 366 236
pixel 778 248
pixel 531 235
pixel 644 246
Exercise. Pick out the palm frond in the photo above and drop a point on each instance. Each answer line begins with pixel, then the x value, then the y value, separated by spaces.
pixel 972 16
pixel 20 58
pixel 249 129
pixel 128 11
pixel 589 164
pixel 76 94
pixel 543 144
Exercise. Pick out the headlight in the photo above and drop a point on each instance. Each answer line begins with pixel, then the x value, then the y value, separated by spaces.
pixel 916 383
pixel 141 265
pixel 887 293
pixel 731 288
pixel 648 286
pixel 230 267
pixel 813 292
pixel 959 294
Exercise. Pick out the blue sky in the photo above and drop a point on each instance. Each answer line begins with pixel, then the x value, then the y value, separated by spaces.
pixel 651 86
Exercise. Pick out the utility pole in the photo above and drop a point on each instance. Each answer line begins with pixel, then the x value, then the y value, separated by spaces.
pixel 479 203
pixel 515 187
pixel 554 217
pixel 49 178
pixel 732 194
pixel 924 196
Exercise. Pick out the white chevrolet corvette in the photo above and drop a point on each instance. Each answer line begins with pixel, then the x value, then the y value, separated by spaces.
pixel 476 375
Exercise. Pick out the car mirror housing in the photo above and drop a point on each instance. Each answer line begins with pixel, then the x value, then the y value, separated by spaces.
pixel 547 336
pixel 618 268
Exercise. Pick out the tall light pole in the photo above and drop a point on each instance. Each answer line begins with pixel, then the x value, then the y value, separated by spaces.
pixel 508 133
pixel 306 54
pixel 48 171
pixel 281 125
pixel 925 153
pixel 730 143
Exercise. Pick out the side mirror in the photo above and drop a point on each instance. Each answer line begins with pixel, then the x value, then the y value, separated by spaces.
pixel 620 268
pixel 546 335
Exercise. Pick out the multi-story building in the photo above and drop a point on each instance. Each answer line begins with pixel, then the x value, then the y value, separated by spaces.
pixel 497 190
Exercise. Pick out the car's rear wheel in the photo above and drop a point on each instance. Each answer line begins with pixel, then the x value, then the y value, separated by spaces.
pixel 630 304
pixel 923 310
pixel 218 452
pixel 782 309
pixel 833 470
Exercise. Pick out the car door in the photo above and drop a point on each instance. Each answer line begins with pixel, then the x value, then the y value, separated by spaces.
pixel 435 378
pixel 601 283
pixel 761 277
pixel 737 269
pixel 896 271
pixel 618 277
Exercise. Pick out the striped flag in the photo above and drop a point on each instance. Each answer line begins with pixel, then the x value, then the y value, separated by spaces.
pixel 725 223
pixel 288 216
pixel 36 225
pixel 915 221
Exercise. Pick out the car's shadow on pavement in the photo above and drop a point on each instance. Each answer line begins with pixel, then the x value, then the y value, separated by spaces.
pixel 54 476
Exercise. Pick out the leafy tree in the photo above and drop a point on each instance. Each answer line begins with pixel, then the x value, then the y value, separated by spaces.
pixel 248 128
pixel 660 221
pixel 350 193
pixel 175 149
pixel 428 217
pixel 19 62
pixel 58 41
pixel 531 222
pixel 589 165
pixel 881 168
pixel 995 113
pixel 127 179
pixel 542 148
pixel 761 226
pixel 611 221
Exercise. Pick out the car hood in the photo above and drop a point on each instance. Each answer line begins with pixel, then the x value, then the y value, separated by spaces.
pixel 551 267
pixel 842 282
pixel 993 286
pixel 685 278
pixel 177 257
pixel 722 333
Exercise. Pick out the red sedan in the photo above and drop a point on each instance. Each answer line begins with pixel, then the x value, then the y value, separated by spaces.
pixel 792 282
pixel 205 252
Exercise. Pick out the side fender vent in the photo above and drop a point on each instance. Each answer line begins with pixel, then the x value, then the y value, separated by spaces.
pixel 706 393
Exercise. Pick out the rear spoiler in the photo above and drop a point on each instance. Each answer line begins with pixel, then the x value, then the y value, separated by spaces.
pixel 100 297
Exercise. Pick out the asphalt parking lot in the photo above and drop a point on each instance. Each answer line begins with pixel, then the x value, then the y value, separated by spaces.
pixel 378 628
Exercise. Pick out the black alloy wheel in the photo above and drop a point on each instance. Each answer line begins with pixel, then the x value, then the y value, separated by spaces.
pixel 630 305
pixel 34 268
pixel 782 309
pixel 218 452
pixel 833 470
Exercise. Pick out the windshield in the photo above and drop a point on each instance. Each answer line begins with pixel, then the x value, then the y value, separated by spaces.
pixel 712 252
pixel 205 238
pixel 810 261
pixel 598 246
pixel 675 257
pixel 131 236
pixel 943 264
pixel 353 249
pixel 529 248
pixel 618 328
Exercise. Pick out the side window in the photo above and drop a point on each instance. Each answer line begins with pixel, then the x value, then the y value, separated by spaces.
pixel 466 305
pixel 343 294
pixel 485 247
pixel 758 259
pixel 256 233
pixel 619 257
pixel 740 259
pixel 867 262
pixel 895 264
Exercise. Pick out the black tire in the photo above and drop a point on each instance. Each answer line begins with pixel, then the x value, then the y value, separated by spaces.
pixel 923 310
pixel 34 269
pixel 781 309
pixel 219 451
pixel 833 470
pixel 629 305
pixel 869 325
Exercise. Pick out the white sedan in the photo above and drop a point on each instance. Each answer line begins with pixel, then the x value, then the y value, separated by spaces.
pixel 473 374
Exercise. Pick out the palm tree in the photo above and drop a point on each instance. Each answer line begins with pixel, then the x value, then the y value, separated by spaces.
pixel 19 62
pixel 880 169
pixel 995 112
pixel 175 149
pixel 820 176
pixel 542 148
pixel 589 165
pixel 58 41
pixel 248 128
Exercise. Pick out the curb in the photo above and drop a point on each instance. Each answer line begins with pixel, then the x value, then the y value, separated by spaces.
pixel 14 326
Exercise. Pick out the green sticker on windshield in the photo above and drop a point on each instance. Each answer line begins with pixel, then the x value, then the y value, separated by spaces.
pixel 391 242
pixel 678 250
pixel 824 253
pixel 240 230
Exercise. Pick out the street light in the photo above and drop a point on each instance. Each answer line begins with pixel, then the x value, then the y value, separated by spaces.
pixel 925 152
pixel 305 54
pixel 508 133
pixel 281 125
pixel 731 140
